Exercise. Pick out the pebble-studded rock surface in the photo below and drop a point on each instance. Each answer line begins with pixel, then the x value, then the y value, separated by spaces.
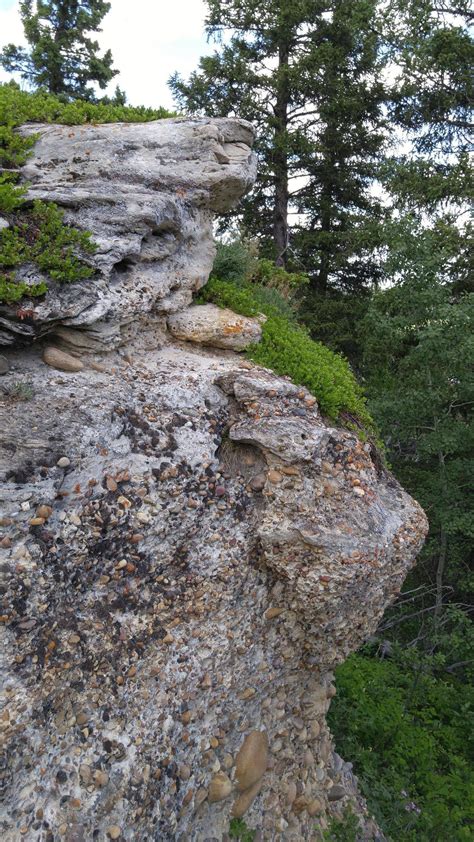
pixel 188 549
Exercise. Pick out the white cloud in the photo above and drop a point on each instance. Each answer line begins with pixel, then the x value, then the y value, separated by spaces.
pixel 149 39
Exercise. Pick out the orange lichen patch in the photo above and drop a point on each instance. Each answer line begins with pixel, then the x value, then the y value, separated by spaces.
pixel 233 329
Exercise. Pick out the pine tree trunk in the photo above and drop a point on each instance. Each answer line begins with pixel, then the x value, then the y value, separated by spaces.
pixel 280 159
pixel 443 546
pixel 57 83
pixel 322 276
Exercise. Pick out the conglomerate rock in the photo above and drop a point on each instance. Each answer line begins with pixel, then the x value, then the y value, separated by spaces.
pixel 148 192
pixel 178 586
pixel 188 547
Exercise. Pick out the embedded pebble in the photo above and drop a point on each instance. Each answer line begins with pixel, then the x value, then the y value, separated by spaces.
pixel 251 760
pixel 61 360
pixel 291 792
pixel 44 512
pixel 245 800
pixel 220 787
pixel 314 807
pixel 271 613
pixel 258 482
pixel 336 792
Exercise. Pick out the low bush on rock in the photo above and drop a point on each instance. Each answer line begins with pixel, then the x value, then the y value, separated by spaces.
pixel 36 233
pixel 286 348
pixel 239 830
pixel 345 829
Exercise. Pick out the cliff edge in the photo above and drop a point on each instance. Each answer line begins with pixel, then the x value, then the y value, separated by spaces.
pixel 189 548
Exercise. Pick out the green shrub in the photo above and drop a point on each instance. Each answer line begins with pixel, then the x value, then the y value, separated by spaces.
pixel 234 261
pixel 19 390
pixel 37 232
pixel 342 830
pixel 238 262
pixel 275 277
pixel 271 301
pixel 38 235
pixel 410 737
pixel 286 348
pixel 237 297
pixel 239 830
pixel 17 107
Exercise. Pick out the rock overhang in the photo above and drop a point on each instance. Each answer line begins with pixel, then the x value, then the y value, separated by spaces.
pixel 148 193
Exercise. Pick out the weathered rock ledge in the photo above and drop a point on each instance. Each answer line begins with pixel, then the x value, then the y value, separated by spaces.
pixel 188 548
pixel 149 193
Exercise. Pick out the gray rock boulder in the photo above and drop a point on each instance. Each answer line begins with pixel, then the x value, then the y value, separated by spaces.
pixel 148 192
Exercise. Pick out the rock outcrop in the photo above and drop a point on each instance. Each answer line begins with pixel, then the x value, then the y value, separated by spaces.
pixel 149 193
pixel 188 551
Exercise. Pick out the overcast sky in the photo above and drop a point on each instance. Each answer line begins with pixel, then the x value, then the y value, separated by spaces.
pixel 149 39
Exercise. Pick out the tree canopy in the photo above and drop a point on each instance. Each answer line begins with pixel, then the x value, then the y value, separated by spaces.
pixel 61 56
pixel 307 74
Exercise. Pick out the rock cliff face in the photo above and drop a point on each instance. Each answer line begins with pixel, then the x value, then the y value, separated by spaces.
pixel 189 548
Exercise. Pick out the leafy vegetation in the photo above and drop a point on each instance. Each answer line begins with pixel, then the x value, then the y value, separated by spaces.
pixel 18 107
pixel 288 350
pixel 285 346
pixel 19 390
pixel 37 235
pixel 239 830
pixel 342 830
pixel 418 348
pixel 409 734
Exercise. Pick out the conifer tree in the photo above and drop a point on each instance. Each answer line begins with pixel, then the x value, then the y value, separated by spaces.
pixel 306 74
pixel 62 57
pixel 432 47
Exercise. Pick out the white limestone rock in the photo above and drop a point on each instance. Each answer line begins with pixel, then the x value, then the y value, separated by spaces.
pixel 188 549
pixel 148 192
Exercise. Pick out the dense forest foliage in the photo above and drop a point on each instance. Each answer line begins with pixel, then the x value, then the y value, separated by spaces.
pixel 355 243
